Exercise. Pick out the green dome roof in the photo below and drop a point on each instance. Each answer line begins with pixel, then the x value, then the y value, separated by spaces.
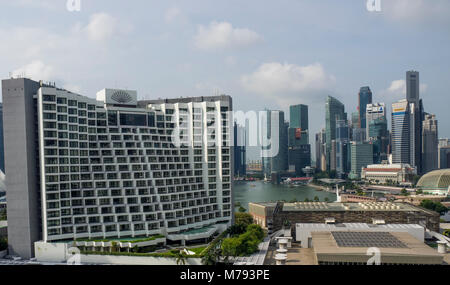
pixel 438 179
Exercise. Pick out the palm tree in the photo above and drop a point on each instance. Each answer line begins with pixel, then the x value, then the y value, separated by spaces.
pixel 181 258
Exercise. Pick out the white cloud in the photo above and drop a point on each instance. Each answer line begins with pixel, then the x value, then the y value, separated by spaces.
pixel 171 14
pixel 103 27
pixel 222 35
pixel 398 88
pixel 36 70
pixel 416 10
pixel 289 82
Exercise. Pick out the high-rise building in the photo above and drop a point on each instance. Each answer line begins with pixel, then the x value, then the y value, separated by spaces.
pixel 444 157
pixel 430 144
pixel 343 158
pixel 240 159
pixel 321 150
pixel 402 133
pixel 417 111
pixel 364 98
pixel 112 167
pixel 2 149
pixel 334 110
pixel 299 149
pixel 412 87
pixel 444 153
pixel 274 143
pixel 374 111
pixel 377 131
pixel 362 155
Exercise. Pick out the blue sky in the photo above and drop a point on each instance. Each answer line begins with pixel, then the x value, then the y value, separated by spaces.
pixel 263 53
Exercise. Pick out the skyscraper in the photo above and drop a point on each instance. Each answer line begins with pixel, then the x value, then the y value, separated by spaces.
pixel 343 158
pixel 430 144
pixel 377 131
pixel 240 159
pixel 444 153
pixel 364 98
pixel 334 110
pixel 274 143
pixel 321 150
pixel 402 133
pixel 2 149
pixel 362 155
pixel 111 167
pixel 413 97
pixel 299 149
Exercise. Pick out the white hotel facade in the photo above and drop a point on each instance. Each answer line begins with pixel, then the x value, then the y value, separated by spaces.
pixel 111 168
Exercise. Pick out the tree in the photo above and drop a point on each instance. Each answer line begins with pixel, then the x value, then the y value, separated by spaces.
pixel 181 258
pixel 404 192
pixel 419 192
pixel 3 215
pixel 3 244
pixel 243 218
pixel 316 199
pixel 434 206
pixel 327 200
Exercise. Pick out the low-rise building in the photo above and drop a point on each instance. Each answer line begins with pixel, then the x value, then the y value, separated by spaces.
pixel 318 212
pixel 262 213
pixel 385 173
pixel 350 198
pixel 367 247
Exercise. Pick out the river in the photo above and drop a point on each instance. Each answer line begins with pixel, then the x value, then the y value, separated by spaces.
pixel 245 192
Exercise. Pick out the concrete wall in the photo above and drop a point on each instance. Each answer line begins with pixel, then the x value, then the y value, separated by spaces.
pixel 60 253
pixel 21 165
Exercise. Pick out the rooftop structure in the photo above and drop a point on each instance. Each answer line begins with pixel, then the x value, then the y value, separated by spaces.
pixel 353 247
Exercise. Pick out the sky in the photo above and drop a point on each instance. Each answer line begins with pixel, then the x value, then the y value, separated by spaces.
pixel 265 54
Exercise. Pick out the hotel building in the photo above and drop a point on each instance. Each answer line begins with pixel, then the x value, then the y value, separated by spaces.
pixel 114 167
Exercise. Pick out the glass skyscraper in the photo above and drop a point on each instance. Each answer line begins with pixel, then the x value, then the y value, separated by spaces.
pixel 364 98
pixel 334 110
pixel 299 149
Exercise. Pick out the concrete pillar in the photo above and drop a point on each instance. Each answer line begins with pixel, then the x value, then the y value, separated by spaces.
pixel 442 247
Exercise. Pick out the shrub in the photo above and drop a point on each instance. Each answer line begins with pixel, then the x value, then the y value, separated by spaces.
pixel 3 244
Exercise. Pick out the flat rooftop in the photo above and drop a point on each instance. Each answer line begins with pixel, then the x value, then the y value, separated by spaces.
pixel 395 248
pixel 341 207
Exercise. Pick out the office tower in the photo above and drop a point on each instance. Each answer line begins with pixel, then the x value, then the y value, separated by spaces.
pixel 320 150
pixel 412 87
pixel 364 98
pixel 112 167
pixel 430 143
pixel 402 133
pixel 240 139
pixel 358 135
pixel 2 149
pixel 355 120
pixel 299 149
pixel 334 110
pixel 343 158
pixel 274 143
pixel 362 155
pixel 374 111
pixel 377 131
pixel 444 153
pixel 379 137
pixel 444 157
pixel 413 97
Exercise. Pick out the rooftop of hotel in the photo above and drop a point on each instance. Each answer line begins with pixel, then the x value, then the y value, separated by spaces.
pixel 336 206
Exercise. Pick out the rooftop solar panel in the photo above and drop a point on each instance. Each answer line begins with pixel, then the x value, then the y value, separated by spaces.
pixel 367 239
